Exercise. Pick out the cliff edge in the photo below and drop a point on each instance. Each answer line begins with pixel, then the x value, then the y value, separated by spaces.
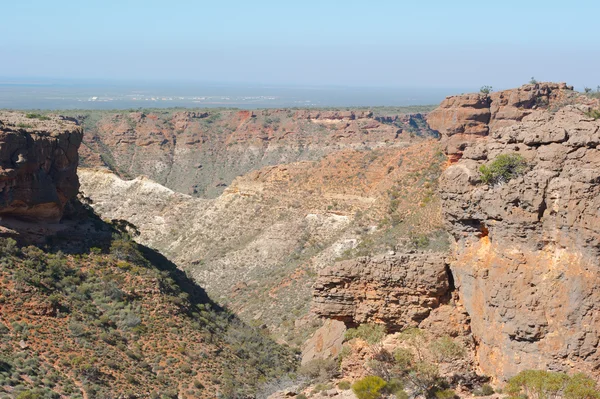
pixel 38 169
pixel 526 252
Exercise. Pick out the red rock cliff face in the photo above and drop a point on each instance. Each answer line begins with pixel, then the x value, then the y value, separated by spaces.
pixel 398 290
pixel 200 153
pixel 526 258
pixel 38 160
pixel 462 119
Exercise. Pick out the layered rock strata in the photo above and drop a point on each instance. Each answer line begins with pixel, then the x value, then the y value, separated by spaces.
pixel 397 290
pixel 38 165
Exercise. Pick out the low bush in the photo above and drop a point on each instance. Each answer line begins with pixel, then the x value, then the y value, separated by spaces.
pixel 396 388
pixel 445 349
pixel 446 394
pixel 319 370
pixel 541 384
pixel 370 387
pixel 485 390
pixel 344 385
pixel 502 169
pixel 371 333
pixel 593 113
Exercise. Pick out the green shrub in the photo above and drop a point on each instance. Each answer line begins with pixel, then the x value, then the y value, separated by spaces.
pixel 396 387
pixel 37 116
pixel 404 359
pixel 344 385
pixel 319 370
pixel 502 169
pixel 29 395
pixel 445 349
pixel 370 387
pixel 537 384
pixel 580 386
pixel 321 387
pixel 485 390
pixel 371 333
pixel 593 113
pixel 486 89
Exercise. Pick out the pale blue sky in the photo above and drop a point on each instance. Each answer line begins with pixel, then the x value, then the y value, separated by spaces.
pixel 362 43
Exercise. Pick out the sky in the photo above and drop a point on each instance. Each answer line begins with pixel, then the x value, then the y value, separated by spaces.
pixel 372 43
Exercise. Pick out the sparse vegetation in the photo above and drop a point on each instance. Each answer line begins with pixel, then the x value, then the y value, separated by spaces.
pixel 126 309
pixel 415 364
pixel 593 113
pixel 484 390
pixel 541 384
pixel 319 370
pixel 485 89
pixel 370 387
pixel 37 116
pixel 371 333
pixel 503 168
pixel 445 349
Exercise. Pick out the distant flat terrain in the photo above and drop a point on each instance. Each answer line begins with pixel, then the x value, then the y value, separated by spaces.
pixel 110 95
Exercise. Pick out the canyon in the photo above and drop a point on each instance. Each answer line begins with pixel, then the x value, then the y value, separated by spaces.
pixel 308 224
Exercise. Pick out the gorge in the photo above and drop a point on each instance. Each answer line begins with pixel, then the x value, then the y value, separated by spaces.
pixel 308 224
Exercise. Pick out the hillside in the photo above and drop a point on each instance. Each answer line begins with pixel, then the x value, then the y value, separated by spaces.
pixel 258 247
pixel 200 152
pixel 86 312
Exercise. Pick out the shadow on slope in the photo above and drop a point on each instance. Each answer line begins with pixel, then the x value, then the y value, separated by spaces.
pixel 120 317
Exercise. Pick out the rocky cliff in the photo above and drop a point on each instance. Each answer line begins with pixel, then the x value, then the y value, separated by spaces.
pixel 526 253
pixel 397 290
pixel 38 156
pixel 523 265
pixel 201 152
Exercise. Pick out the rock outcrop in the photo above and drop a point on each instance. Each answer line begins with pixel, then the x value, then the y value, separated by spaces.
pixel 325 343
pixel 397 290
pixel 527 251
pixel 38 165
pixel 462 119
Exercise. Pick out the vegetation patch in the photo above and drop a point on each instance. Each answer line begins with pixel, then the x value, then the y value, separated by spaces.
pixel 370 333
pixel 370 387
pixel 593 113
pixel 503 168
pixel 541 384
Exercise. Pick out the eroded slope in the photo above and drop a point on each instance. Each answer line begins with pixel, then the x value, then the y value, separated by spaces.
pixel 259 246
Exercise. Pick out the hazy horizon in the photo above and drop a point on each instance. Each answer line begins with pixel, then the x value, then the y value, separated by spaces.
pixel 49 94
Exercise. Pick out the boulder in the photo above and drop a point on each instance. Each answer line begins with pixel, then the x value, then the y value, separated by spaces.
pixel 325 343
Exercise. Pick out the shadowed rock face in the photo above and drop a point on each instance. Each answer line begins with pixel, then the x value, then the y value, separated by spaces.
pixel 398 290
pixel 38 166
pixel 527 251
